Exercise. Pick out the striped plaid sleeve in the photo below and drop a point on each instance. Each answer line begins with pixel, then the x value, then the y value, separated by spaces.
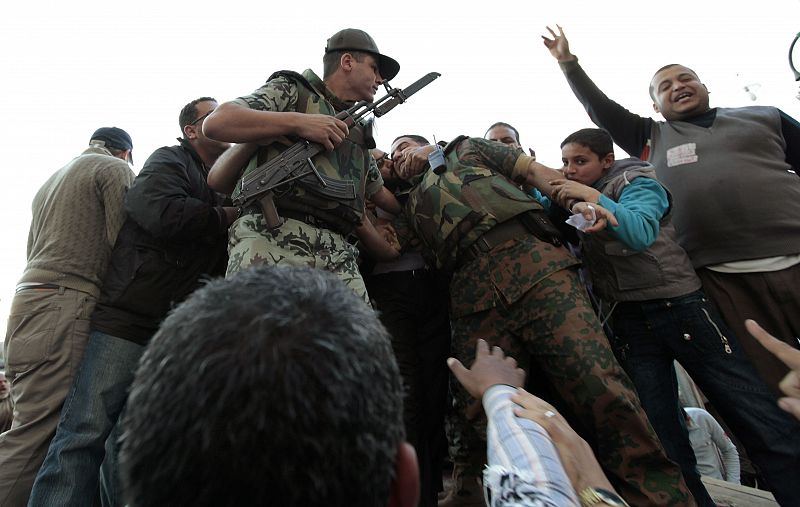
pixel 524 468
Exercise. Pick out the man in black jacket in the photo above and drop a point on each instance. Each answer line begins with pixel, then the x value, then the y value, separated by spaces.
pixel 174 236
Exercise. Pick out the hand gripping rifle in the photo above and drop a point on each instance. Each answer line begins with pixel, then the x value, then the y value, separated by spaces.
pixel 295 162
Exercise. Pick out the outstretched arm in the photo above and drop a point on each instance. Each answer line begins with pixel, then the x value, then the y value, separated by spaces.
pixel 639 209
pixel 577 457
pixel 524 467
pixel 630 131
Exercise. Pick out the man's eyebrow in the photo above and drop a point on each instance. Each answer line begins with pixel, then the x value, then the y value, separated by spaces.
pixel 400 147
pixel 680 76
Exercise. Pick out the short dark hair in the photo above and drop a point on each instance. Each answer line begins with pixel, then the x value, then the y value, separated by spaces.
pixel 414 137
pixel 502 124
pixel 189 112
pixel 598 141
pixel 665 67
pixel 276 386
pixel 330 61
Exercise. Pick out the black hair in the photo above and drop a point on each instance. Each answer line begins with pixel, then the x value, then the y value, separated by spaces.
pixel 276 386
pixel 503 124
pixel 598 141
pixel 189 112
pixel 414 137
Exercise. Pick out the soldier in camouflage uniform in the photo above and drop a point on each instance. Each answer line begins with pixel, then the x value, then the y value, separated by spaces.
pixel 512 287
pixel 317 224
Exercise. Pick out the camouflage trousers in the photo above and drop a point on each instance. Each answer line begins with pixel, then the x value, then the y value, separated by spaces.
pixel 294 243
pixel 552 331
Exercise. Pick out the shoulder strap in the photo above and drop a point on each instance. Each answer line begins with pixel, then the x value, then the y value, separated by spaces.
pixel 303 91
pixel 452 144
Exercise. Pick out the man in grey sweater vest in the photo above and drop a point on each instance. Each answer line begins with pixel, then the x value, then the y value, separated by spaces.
pixel 76 217
pixel 732 173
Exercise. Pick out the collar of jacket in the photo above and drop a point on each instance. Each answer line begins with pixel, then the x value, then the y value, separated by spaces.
pixel 188 147
pixel 620 167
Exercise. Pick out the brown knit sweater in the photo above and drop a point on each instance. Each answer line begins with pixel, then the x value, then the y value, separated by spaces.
pixel 76 217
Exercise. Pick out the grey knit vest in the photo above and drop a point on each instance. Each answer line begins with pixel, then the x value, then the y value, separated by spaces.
pixel 735 197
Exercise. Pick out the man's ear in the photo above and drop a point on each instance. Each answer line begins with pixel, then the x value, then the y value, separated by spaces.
pixel 190 132
pixel 346 62
pixel 404 490
pixel 608 160
pixel 655 108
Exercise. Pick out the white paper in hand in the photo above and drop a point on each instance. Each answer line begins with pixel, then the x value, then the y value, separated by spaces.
pixel 579 222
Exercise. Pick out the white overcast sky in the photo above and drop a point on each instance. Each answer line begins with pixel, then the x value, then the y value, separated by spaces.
pixel 69 67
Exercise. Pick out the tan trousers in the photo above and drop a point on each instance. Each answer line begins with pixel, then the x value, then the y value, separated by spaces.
pixel 47 334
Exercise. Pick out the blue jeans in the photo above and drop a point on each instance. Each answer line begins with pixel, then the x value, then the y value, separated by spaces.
pixel 649 335
pixel 69 474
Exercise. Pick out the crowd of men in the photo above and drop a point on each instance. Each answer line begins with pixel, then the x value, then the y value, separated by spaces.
pixel 169 347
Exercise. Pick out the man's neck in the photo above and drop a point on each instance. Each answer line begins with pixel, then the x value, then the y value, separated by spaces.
pixel 332 88
pixel 339 88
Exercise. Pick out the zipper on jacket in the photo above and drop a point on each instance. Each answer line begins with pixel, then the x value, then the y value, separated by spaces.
pixel 722 338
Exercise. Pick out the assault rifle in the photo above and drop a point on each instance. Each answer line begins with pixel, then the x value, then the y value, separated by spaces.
pixel 295 162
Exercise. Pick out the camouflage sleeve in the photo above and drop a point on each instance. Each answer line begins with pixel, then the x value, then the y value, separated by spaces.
pixel 510 162
pixel 519 173
pixel 278 94
pixel 374 178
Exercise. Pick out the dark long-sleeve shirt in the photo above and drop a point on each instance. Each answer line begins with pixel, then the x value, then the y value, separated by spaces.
pixel 632 132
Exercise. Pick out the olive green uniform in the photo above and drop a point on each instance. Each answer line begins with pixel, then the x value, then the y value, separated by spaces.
pixel 522 293
pixel 317 226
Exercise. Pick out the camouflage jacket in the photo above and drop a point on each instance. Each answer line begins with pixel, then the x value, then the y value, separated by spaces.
pixel 350 162
pixel 446 213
